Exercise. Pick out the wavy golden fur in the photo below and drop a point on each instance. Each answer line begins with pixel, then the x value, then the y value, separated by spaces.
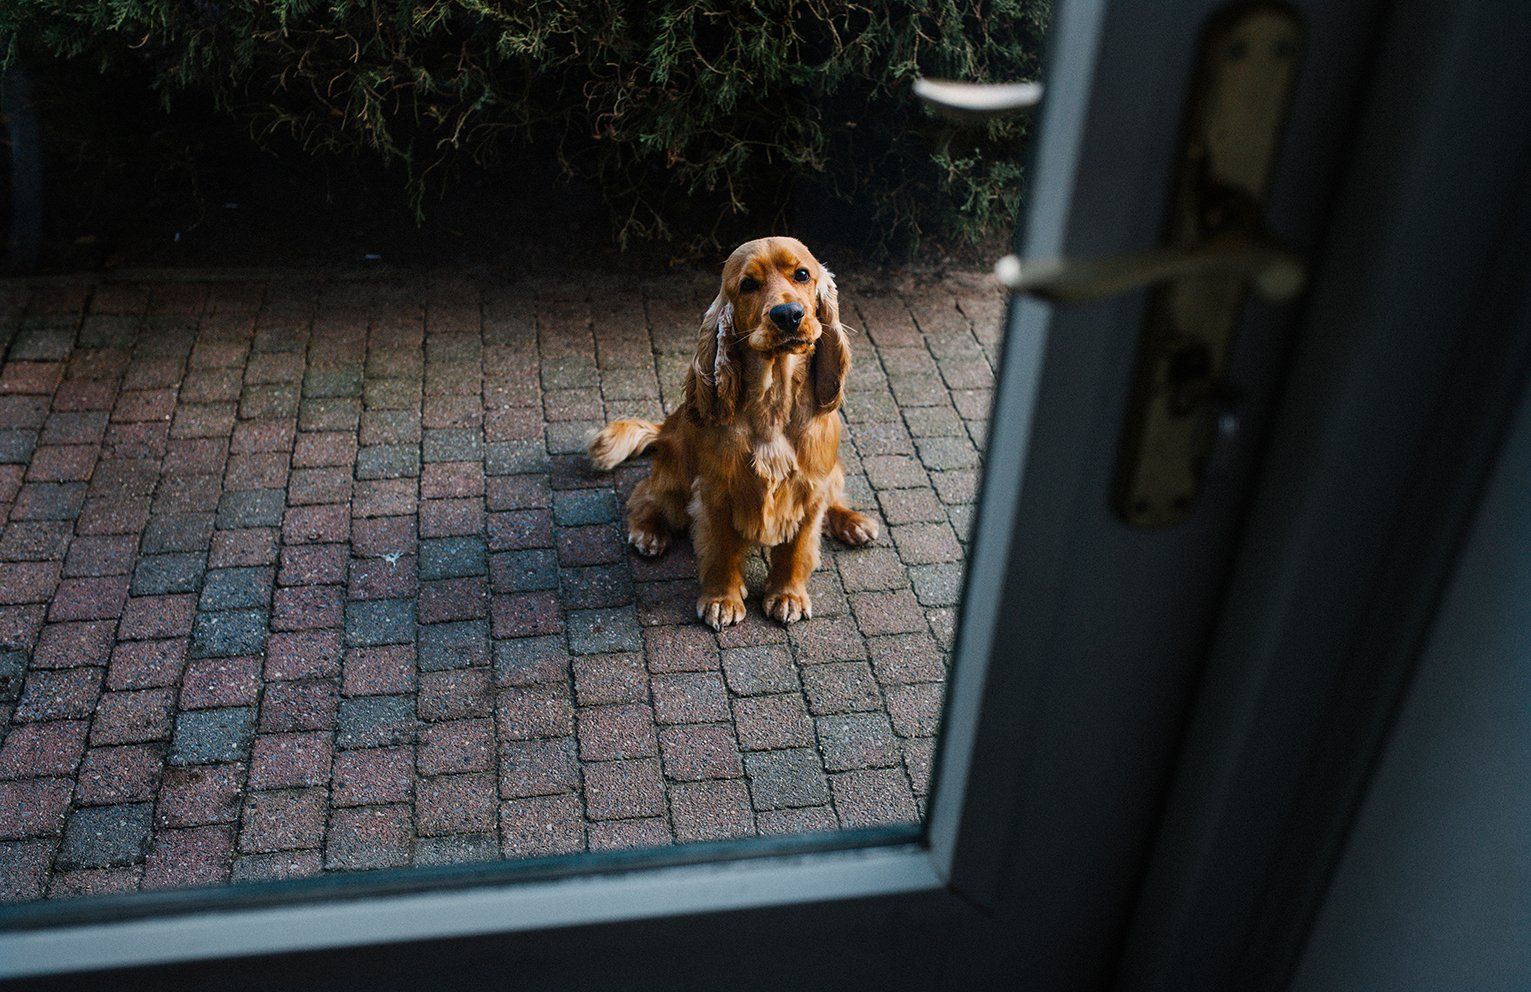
pixel 751 457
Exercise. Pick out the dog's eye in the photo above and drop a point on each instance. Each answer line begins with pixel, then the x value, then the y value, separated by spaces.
pixel 801 275
pixel 748 285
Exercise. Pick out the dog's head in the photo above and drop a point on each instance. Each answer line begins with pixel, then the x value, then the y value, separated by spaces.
pixel 775 299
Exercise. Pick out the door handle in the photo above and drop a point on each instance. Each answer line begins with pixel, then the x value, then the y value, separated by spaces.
pixel 1275 273
pixel 1182 414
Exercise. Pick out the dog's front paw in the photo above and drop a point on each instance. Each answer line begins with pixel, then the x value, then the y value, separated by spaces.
pixel 718 612
pixel 649 543
pixel 789 605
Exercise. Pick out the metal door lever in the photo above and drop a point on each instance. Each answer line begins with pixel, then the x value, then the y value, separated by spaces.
pixel 1182 413
pixel 1275 273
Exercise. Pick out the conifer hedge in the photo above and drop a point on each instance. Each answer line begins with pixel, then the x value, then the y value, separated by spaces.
pixel 731 106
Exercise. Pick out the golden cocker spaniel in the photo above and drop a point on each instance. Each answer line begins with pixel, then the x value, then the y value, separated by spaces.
pixel 751 457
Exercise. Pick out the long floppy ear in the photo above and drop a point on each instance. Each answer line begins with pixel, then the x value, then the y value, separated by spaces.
pixel 712 382
pixel 832 354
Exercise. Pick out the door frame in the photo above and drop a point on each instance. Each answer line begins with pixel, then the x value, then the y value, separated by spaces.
pixel 1004 881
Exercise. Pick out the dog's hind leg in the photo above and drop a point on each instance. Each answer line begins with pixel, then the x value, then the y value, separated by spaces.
pixel 657 507
pixel 844 524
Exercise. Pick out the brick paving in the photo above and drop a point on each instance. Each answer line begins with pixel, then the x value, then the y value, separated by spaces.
pixel 305 575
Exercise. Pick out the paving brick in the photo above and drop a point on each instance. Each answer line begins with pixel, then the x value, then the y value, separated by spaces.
pixel 280 761
pixel 616 790
pixel 915 709
pixel 278 865
pixel 711 810
pixel 518 492
pixel 198 795
pixel 598 544
pixel 383 621
pixel 840 687
pixel 786 779
pixel 34 749
pixel 159 574
pixel 303 705
pixel 451 804
pixel 927 544
pixel 905 658
pixel 538 767
pixel 88 598
pixel 690 697
pixel 759 670
pixel 517 530
pixel 288 819
pixel 368 837
pixel 454 695
pixel 895 472
pixel 681 649
pixel 106 836
pixel 24 870
pixel 156 616
pixel 456 849
pixel 604 630
pixel 33 807
pixel 456 746
pixel 858 740
pixel 700 751
pixel 772 722
pixel 610 678
pixel 251 508
pixel 59 694
pixel 377 671
pixel 539 826
pixel 613 835
pixel 581 507
pixel 313 564
pixel 827 640
pixel 126 774
pixel 229 633
pixel 376 721
pixel 208 736
pixel 524 571
pixel 598 586
pixel 919 758
pixel 13 667
pixel 454 599
pixel 453 557
pixel 811 819
pixel 527 614
pixel 874 798
pixel 184 858
pixel 888 612
pixel 385 577
pixel 213 682
pixel 937 585
pixel 105 554
pixel 956 486
pixel 619 731
pixel 249 548
pixel 872 569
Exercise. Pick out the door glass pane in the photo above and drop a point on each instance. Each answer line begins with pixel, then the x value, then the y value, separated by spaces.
pixel 308 572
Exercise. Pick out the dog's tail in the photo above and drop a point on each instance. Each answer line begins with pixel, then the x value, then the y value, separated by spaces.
pixel 620 440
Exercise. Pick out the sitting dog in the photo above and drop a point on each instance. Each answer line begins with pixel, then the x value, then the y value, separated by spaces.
pixel 751 457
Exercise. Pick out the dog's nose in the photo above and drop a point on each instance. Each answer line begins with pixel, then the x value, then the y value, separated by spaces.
pixel 787 315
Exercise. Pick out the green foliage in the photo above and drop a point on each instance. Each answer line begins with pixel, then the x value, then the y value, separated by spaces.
pixel 679 108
